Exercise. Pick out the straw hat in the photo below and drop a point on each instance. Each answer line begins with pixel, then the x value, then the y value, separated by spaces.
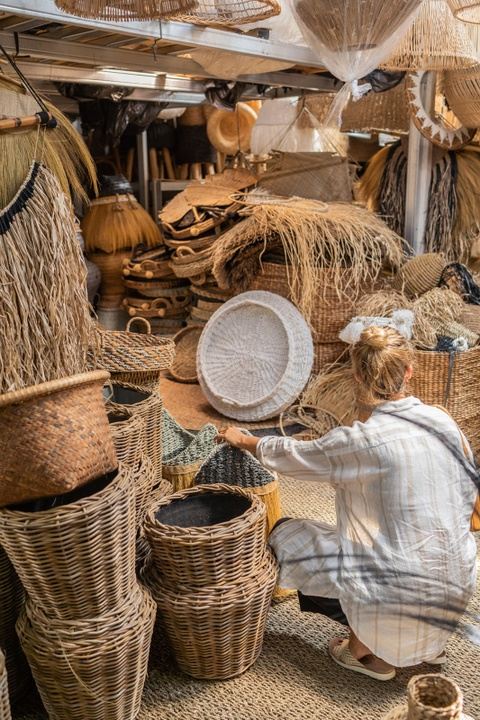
pixel 229 132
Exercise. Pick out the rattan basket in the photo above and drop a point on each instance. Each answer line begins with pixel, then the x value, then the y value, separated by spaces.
pixel 134 352
pixel 326 354
pixel 54 437
pixel 146 381
pixel 76 560
pixel 207 535
pixel 147 404
pixel 129 435
pixel 431 697
pixel 241 469
pixel 184 367
pixel 184 451
pixel 451 380
pixel 420 274
pixel 94 668
pixel 145 482
pixel 216 632
pixel 12 597
pixel 4 696
pixel 471 317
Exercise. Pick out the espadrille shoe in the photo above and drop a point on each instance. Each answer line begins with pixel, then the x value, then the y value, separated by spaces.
pixel 340 653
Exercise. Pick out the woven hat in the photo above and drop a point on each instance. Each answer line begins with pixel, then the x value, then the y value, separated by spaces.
pixel 431 697
pixel 248 380
pixel 230 131
pixel 420 274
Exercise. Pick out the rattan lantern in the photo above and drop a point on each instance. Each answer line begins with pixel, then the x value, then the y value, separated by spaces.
pixel 435 41
pixel 198 12
pixel 462 91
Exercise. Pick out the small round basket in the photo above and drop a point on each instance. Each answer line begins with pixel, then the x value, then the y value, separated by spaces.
pixel 76 559
pixel 247 380
pixel 184 367
pixel 431 697
pixel 216 632
pixel 54 437
pixel 90 668
pixel 207 535
pixel 4 697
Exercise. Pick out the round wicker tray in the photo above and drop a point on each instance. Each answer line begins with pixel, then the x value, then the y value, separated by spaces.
pixel 184 366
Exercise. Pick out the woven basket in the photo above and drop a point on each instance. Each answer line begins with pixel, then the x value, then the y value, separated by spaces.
pixel 229 13
pixel 76 560
pixel 455 330
pixel 431 697
pixel 12 597
pixel 145 380
pixel 54 437
pixel 207 535
pixel 451 380
pixel 128 432
pixel 184 367
pixel 420 274
pixel 326 354
pixel 184 451
pixel 91 668
pixel 462 91
pixel 240 379
pixel 470 318
pixel 148 405
pixel 217 632
pixel 145 481
pixel 241 469
pixel 134 352
pixel 4 697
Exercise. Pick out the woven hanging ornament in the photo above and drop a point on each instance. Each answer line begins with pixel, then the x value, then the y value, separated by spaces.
pixel 467 11
pixel 124 10
pixel 435 41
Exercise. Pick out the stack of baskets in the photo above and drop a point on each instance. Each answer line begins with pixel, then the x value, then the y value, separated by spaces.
pixel 86 626
pixel 184 452
pixel 155 292
pixel 212 577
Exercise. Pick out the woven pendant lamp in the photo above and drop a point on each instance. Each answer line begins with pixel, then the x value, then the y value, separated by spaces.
pixel 467 11
pixel 435 41
pixel 202 12
pixel 462 91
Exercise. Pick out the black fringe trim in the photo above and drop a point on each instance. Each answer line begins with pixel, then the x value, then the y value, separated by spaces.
pixel 20 202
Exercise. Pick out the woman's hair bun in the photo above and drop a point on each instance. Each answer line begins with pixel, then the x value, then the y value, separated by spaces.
pixel 377 338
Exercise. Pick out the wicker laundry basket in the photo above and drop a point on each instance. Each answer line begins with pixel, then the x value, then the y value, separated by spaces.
pixel 129 435
pixel 431 697
pixel 216 632
pixel 184 451
pixel 146 403
pixel 4 696
pixel 241 469
pixel 207 535
pixel 77 560
pixel 451 380
pixel 53 438
pixel 92 668
pixel 243 379
pixel 12 597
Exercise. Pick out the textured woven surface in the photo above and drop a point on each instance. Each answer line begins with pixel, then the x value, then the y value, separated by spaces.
pixel 53 438
pixel 206 535
pixel 244 379
pixel 233 467
pixel 294 678
pixel 128 432
pixel 90 669
pixel 11 601
pixel 145 480
pixel 134 352
pixel 420 274
pixel 4 699
pixel 216 632
pixel 77 560
pixel 430 697
pixel 149 380
pixel 184 367
pixel 182 447
pixel 462 90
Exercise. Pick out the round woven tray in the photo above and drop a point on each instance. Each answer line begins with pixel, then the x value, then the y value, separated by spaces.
pixel 54 437
pixel 216 632
pixel 91 668
pixel 213 292
pixel 76 560
pixel 151 288
pixel 148 405
pixel 199 243
pixel 207 535
pixel 4 697
pixel 128 432
pixel 184 366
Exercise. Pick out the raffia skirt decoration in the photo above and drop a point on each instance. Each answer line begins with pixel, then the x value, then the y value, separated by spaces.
pixel 76 560
pixel 92 668
pixel 4 696
pixel 216 632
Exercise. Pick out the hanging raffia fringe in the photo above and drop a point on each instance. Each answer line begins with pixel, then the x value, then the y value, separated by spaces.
pixel 435 41
pixel 44 314
pixel 116 222
pixel 462 90
pixel 313 236
pixel 62 150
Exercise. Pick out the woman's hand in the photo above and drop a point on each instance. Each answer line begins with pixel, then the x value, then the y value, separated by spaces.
pixel 237 439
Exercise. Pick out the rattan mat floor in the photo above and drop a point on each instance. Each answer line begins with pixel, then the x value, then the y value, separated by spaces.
pixel 294 678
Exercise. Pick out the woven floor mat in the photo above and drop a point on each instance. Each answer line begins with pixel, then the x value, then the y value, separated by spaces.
pixel 294 679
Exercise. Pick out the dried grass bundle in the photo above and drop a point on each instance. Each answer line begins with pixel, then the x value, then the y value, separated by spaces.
pixel 119 222
pixel 328 401
pixel 44 312
pixel 467 223
pixel 382 303
pixel 434 310
pixel 368 189
pixel 61 150
pixel 313 236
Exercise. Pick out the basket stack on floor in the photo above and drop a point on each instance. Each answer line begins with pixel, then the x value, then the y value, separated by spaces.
pixel 212 577
pixel 86 626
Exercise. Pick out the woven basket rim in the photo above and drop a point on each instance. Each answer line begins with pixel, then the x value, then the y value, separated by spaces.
pixel 210 530
pixel 53 386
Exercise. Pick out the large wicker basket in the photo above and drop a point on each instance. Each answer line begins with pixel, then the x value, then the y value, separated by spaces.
pixel 451 380
pixel 129 435
pixel 4 697
pixel 145 480
pixel 146 403
pixel 207 535
pixel 216 632
pixel 77 560
pixel 12 597
pixel 91 669
pixel 54 437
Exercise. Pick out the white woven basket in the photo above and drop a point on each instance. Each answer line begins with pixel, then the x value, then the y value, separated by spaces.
pixel 255 356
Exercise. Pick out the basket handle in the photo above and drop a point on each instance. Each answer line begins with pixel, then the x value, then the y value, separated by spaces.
pixel 183 251
pixel 144 320
pixel 258 401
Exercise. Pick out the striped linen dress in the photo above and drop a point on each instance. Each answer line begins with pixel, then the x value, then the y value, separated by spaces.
pixel 401 559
